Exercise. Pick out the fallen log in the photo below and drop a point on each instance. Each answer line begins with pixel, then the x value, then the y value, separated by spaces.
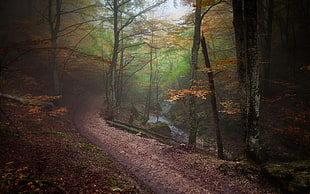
pixel 142 132
pixel 27 101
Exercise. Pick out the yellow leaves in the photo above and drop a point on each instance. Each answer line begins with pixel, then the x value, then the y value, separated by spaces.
pixel 230 107
pixel 143 84
pixel 204 3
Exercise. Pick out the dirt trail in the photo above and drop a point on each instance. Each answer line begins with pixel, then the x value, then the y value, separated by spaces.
pixel 160 168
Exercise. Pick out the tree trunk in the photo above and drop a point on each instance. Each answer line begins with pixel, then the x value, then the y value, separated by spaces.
pixel 265 16
pixel 220 153
pixel 54 29
pixel 241 61
pixel 245 23
pixel 267 85
pixel 114 56
pixel 149 93
pixel 56 80
pixel 253 132
pixel 194 63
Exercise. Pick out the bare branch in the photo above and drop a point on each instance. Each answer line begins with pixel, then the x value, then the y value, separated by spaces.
pixel 129 46
pixel 206 11
pixel 131 19
pixel 76 26
pixel 120 5
pixel 78 9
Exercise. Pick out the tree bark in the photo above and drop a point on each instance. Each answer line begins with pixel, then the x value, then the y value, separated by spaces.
pixel 54 24
pixel 253 132
pixel 265 15
pixel 216 120
pixel 149 93
pixel 245 23
pixel 193 120
pixel 115 53
pixel 239 26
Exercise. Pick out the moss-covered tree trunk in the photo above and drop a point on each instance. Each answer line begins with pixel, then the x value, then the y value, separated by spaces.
pixel 253 132
pixel 245 23
pixel 193 120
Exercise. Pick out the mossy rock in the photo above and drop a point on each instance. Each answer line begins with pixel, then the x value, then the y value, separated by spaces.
pixel 161 128
pixel 292 177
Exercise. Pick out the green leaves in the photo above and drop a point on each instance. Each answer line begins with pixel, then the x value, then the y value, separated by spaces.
pixel 115 188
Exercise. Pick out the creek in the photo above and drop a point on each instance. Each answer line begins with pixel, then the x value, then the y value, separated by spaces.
pixel 175 132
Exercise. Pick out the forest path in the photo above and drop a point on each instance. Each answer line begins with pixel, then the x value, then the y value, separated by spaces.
pixel 159 167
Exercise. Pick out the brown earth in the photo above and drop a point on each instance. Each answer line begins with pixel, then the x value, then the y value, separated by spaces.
pixel 80 153
pixel 44 154
pixel 162 168
pixel 54 155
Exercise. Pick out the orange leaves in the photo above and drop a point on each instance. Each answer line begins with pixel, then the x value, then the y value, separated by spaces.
pixel 301 137
pixel 178 94
pixel 57 112
pixel 214 69
pixel 307 67
pixel 40 106
pixel 232 61
pixel 221 65
pixel 20 179
pixel 205 3
pixel 230 107
pixel 277 98
pixel 35 110
pixel 46 98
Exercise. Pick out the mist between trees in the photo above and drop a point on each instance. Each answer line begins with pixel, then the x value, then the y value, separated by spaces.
pixel 234 74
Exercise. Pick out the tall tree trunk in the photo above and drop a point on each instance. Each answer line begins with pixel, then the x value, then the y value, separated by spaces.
pixel 157 81
pixel 115 55
pixel 193 120
pixel 120 78
pixel 267 68
pixel 253 132
pixel 149 93
pixel 56 80
pixel 216 120
pixel 245 21
pixel 54 24
pixel 239 27
pixel 265 16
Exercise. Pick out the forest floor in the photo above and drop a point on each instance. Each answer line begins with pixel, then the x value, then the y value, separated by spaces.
pixel 88 156
pixel 41 153
pixel 162 168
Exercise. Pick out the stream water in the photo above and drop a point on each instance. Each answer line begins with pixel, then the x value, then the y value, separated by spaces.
pixel 176 133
